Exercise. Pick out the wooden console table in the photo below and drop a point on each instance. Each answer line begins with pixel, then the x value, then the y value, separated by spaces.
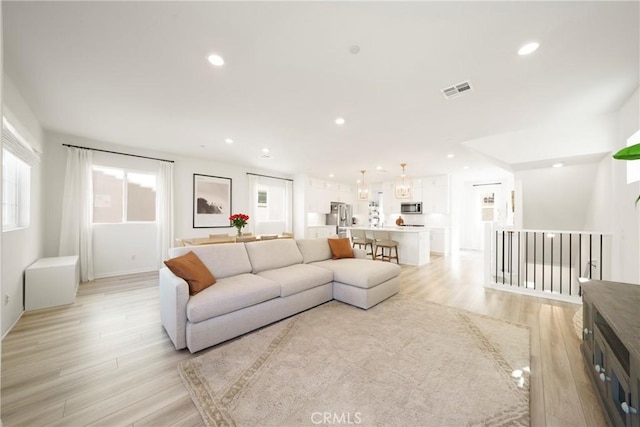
pixel 611 347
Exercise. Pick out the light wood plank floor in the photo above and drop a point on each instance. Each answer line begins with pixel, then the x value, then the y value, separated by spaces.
pixel 106 360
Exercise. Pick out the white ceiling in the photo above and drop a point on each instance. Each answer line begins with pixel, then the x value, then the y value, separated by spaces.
pixel 135 73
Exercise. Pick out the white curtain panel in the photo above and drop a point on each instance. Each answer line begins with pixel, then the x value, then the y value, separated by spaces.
pixel 276 218
pixel 75 230
pixel 164 209
pixel 254 181
pixel 288 208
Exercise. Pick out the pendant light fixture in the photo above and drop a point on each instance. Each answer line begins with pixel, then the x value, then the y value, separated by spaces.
pixel 404 185
pixel 363 189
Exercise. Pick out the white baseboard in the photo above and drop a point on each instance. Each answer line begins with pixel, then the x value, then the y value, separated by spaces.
pixel 574 299
pixel 124 273
pixel 10 328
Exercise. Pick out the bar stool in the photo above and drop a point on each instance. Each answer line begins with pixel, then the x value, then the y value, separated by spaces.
pixel 359 237
pixel 384 242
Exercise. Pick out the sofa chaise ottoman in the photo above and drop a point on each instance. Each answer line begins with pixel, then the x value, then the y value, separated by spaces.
pixel 258 283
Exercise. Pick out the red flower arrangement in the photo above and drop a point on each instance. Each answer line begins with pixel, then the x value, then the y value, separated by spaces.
pixel 238 221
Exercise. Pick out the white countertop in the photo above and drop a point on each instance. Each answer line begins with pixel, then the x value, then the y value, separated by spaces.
pixel 393 229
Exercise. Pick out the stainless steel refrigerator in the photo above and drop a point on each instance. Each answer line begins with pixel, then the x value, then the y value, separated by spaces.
pixel 340 216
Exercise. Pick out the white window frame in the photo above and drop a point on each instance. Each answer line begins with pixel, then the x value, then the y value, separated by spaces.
pixel 21 183
pixel 125 195
pixel 16 148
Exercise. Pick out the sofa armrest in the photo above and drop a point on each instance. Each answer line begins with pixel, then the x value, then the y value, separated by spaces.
pixel 174 295
pixel 359 253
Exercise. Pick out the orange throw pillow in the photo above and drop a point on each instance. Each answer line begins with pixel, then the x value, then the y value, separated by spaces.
pixel 192 270
pixel 341 248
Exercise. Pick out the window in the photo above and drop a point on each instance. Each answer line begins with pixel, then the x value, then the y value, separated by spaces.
pixel 16 183
pixel 262 198
pixel 271 204
pixel 123 196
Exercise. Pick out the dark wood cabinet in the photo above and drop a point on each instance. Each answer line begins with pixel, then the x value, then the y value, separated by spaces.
pixel 611 347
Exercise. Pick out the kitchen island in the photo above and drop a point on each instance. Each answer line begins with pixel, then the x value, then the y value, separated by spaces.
pixel 413 242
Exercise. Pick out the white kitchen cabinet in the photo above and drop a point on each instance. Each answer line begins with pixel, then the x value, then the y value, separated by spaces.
pixel 361 207
pixel 346 194
pixel 391 204
pixel 435 194
pixel 321 231
pixel 413 247
pixel 439 240
pixel 318 196
pixel 417 190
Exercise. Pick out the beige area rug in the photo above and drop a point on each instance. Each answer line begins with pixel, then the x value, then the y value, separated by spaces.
pixel 400 363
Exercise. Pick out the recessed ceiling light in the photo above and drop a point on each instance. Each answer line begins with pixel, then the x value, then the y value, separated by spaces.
pixel 557 165
pixel 202 146
pixel 331 175
pixel 450 156
pixel 355 49
pixel 216 60
pixel 379 168
pixel 340 121
pixel 466 167
pixel 265 150
pixel 228 140
pixel 528 48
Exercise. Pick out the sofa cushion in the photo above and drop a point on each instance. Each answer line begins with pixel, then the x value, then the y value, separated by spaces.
pixel 314 249
pixel 363 273
pixel 222 259
pixel 273 254
pixel 298 278
pixel 340 248
pixel 231 294
pixel 192 270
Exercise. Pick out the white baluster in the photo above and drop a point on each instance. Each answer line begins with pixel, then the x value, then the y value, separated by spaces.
pixel 628 409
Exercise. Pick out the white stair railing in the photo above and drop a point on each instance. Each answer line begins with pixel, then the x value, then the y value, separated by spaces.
pixel 546 263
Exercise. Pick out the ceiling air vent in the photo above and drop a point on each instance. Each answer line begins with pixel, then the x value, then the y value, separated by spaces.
pixel 456 90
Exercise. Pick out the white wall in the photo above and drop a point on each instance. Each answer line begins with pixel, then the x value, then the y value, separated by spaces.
pixel 20 248
pixel 626 215
pixel 20 114
pixel 557 198
pixel 123 250
pixel 470 234
pixel 592 197
pixel 599 212
pixel 1 102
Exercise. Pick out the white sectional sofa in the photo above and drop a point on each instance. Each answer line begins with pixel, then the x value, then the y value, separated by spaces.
pixel 258 283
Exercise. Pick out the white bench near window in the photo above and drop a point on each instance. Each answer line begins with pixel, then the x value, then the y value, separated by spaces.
pixel 50 282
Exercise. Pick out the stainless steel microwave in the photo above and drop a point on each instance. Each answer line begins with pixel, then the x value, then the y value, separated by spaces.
pixel 411 208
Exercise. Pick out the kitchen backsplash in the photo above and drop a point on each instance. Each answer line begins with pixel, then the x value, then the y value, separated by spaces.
pixel 429 220
pixel 314 219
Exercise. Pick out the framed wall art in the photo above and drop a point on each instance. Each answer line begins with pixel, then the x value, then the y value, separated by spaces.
pixel 211 201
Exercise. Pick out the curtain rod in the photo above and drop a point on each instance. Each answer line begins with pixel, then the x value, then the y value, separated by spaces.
pixel 268 176
pixel 490 183
pixel 115 152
